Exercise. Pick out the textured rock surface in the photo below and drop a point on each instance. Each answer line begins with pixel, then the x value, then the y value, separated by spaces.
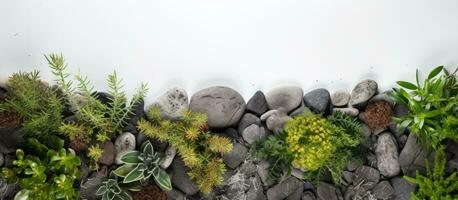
pixel 318 100
pixel 326 191
pixel 172 103
pixel 349 111
pixel 387 155
pixel 275 119
pixel 362 92
pixel 402 188
pixel 170 153
pixel 236 156
pixel 287 97
pixel 340 98
pixel 108 154
pixel 123 144
pixel 383 190
pixel 413 156
pixel 284 189
pixel 180 179
pixel 257 104
pixel 247 120
pixel 253 133
pixel 222 105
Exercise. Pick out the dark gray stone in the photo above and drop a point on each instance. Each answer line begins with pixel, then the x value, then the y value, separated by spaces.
pixel 103 97
pixel 326 191
pixel 180 179
pixel 288 98
pixel 413 156
pixel 232 133
pixel 366 174
pixel 348 176
pixel 257 104
pixel 402 188
pixel 256 191
pixel 89 188
pixel 223 106
pixel 387 155
pixel 284 189
pixel 236 156
pixel 11 139
pixel 175 195
pixel 108 154
pixel 307 195
pixel 383 190
pixel 318 100
pixel 247 120
pixel 362 92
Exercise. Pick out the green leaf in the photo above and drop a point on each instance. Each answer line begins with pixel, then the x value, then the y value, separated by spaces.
pixel 435 72
pixel 135 175
pixel 124 170
pixel 407 85
pixel 131 157
pixel 162 179
pixel 147 148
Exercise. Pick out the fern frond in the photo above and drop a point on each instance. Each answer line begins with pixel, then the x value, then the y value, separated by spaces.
pixel 72 130
pixel 219 144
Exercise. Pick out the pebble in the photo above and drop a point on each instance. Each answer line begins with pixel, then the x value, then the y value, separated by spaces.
pixel 275 119
pixel 387 155
pixel 257 104
pixel 340 98
pixel 288 97
pixel 236 156
pixel 123 144
pixel 362 92
pixel 319 101
pixel 170 154
pixel 253 133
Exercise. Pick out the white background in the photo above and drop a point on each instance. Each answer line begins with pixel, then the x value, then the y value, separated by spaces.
pixel 244 44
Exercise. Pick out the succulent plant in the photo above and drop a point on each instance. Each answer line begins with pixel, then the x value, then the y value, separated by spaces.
pixel 110 189
pixel 139 166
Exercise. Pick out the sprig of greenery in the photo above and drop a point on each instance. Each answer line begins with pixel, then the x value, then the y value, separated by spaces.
pixel 47 174
pixel 111 190
pixel 433 107
pixel 435 185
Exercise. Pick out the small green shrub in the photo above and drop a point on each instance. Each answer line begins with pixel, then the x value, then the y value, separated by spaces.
pixel 200 150
pixel 433 107
pixel 110 189
pixel 37 104
pixel 275 151
pixel 435 185
pixel 139 166
pixel 319 144
pixel 47 174
pixel 97 122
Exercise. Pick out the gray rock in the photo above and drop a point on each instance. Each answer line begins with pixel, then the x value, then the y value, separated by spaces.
pixel 367 133
pixel 362 92
pixel 387 155
pixel 402 188
pixel 383 190
pixel 11 139
pixel 236 156
pixel 257 104
pixel 170 154
pixel 180 179
pixel 253 133
pixel 172 103
pixel 89 188
pixel 402 140
pixel 247 120
pixel 307 195
pixel 318 100
pixel 326 191
pixel 395 129
pixel 287 97
pixel 366 174
pixel 301 110
pixel 108 154
pixel 284 189
pixel 371 159
pixel 275 119
pixel 256 191
pixel 123 144
pixel 298 173
pixel 7 191
pixel 348 176
pixel 413 156
pixel 2 159
pixel 340 98
pixel 175 195
pixel 348 111
pixel 232 133
pixel 352 166
pixel 263 170
pixel 222 105
pixel 296 195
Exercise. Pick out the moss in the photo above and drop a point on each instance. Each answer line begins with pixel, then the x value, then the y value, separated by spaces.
pixel 378 115
pixel 150 192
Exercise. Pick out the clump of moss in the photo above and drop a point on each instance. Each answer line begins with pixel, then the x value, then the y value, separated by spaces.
pixel 200 150
pixel 321 145
pixel 378 115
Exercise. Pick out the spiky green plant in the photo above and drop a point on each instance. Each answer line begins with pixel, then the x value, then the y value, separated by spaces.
pixel 111 190
pixel 200 150
pixel 433 107
pixel 139 166
pixel 36 103
pixel 435 185
pixel 97 122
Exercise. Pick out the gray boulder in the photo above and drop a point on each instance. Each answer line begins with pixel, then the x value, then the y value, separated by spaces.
pixel 180 179
pixel 172 103
pixel 362 92
pixel 387 155
pixel 285 189
pixel 287 97
pixel 275 119
pixel 247 120
pixel 402 188
pixel 253 133
pixel 223 106
pixel 383 190
pixel 257 104
pixel 326 191
pixel 236 156
pixel 413 156
pixel 340 98
pixel 318 100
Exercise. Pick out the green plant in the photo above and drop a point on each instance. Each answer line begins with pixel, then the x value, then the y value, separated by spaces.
pixel 97 122
pixel 37 104
pixel 319 145
pixel 433 107
pixel 95 153
pixel 139 166
pixel 275 151
pixel 200 150
pixel 46 174
pixel 110 189
pixel 435 185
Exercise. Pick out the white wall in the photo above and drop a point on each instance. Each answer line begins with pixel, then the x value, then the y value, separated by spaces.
pixel 245 44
